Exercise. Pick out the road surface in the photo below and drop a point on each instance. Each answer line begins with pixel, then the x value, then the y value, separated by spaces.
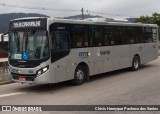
pixel 122 87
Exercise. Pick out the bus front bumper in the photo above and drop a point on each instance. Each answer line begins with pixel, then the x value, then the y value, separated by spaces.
pixel 31 79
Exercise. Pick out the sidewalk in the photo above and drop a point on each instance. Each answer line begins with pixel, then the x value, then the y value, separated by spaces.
pixel 3 59
pixel 4 79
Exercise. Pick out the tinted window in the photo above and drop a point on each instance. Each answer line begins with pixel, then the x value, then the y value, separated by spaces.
pixel 96 36
pixel 90 36
pixel 80 36
pixel 130 35
pixel 107 36
pixel 148 35
pixel 119 35
pixel 60 41
pixel 139 36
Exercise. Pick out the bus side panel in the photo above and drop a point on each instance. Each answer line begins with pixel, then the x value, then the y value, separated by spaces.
pixel 138 49
pixel 150 51
pixel 59 69
pixel 122 56
pixel 157 49
pixel 71 66
pixel 52 73
pixel 108 59
pixel 98 60
pixel 77 56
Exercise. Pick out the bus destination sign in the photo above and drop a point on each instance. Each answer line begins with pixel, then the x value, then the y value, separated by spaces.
pixel 27 24
pixel 30 23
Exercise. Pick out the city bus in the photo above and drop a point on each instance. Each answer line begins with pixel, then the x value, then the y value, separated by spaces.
pixel 49 50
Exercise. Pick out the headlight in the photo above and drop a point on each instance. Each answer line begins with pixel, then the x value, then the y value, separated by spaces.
pixel 42 70
pixel 45 69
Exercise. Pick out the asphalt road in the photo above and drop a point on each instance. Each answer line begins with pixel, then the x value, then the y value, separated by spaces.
pixel 122 87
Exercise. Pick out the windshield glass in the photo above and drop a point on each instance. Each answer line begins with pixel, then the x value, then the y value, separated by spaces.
pixel 31 45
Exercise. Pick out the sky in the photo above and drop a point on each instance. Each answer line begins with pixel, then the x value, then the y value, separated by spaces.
pixel 109 8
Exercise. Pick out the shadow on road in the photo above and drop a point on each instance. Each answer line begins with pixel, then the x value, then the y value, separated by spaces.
pixel 43 88
pixel 118 72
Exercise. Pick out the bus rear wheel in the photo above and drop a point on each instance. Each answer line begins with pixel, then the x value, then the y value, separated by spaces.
pixel 135 63
pixel 80 75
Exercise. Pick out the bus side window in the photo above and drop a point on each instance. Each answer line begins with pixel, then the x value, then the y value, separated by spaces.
pixel 60 41
pixel 77 36
pixel 78 40
pixel 85 38
pixel 97 37
pixel 119 35
pixel 107 36
pixel 148 35
pixel 130 35
pixel 139 36
pixel 80 37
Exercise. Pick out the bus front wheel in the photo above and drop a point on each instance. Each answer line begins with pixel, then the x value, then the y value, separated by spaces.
pixel 135 63
pixel 80 75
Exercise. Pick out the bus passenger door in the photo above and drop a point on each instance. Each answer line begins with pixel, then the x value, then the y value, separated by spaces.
pixel 59 53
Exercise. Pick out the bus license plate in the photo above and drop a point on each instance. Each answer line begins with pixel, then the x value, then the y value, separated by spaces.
pixel 22 78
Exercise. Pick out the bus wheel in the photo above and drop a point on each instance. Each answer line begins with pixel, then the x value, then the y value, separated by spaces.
pixel 135 63
pixel 79 76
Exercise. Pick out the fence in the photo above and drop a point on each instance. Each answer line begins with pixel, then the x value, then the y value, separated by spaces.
pixel 4 72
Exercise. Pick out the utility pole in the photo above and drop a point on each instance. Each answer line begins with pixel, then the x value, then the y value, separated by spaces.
pixel 82 10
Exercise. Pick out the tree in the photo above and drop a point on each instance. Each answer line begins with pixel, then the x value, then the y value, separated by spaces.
pixel 154 19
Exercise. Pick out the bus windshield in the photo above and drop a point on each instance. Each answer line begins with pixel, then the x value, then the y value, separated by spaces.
pixel 28 45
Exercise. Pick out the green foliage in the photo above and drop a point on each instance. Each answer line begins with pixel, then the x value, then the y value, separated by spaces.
pixel 154 19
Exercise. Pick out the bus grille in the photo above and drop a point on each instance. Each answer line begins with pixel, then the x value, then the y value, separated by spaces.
pixel 27 77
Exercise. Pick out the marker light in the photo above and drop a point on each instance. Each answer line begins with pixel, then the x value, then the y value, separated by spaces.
pixel 39 72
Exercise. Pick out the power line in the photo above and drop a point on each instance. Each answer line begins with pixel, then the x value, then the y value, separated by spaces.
pixel 38 8
pixel 63 10
pixel 108 14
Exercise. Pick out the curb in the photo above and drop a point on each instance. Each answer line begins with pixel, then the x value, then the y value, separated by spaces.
pixel 6 82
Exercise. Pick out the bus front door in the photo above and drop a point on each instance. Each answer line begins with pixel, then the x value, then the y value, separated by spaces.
pixel 60 52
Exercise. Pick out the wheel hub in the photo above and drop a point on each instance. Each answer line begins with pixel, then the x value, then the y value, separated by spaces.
pixel 79 75
pixel 136 63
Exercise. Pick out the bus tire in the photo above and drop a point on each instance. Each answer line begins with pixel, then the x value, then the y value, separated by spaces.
pixel 79 75
pixel 135 63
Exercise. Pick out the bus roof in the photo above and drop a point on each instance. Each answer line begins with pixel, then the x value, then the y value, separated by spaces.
pixel 27 18
pixel 71 21
pixel 116 23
